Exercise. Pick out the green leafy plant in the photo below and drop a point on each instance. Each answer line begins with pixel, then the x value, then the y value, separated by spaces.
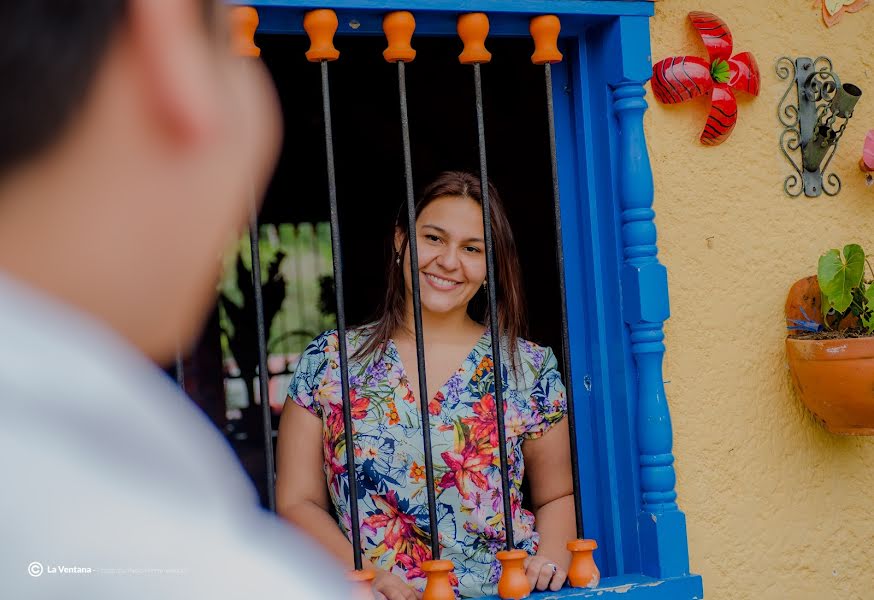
pixel 845 291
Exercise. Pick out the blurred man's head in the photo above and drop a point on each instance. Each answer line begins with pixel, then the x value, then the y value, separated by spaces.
pixel 131 144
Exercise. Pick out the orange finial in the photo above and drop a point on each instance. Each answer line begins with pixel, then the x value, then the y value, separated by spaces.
pixel 583 572
pixel 513 584
pixel 362 580
pixel 544 29
pixel 321 25
pixel 473 28
pixel 244 22
pixel 399 27
pixel 438 586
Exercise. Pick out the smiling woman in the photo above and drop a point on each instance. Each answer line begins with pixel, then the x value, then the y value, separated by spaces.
pixel 396 536
pixel 450 236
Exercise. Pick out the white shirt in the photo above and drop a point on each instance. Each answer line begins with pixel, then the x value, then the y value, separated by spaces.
pixel 105 466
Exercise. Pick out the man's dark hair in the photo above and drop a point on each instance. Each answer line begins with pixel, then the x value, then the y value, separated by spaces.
pixel 49 53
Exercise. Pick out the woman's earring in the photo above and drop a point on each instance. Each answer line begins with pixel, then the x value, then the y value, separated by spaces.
pixel 485 283
pixel 398 258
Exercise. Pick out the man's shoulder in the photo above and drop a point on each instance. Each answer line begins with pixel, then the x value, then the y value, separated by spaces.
pixel 144 520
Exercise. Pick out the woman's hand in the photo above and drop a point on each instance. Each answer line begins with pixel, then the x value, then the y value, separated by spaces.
pixel 544 574
pixel 388 586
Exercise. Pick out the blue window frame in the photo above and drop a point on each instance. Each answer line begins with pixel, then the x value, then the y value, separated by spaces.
pixel 616 287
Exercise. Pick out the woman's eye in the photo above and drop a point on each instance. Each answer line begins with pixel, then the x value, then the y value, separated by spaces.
pixel 431 237
pixel 472 249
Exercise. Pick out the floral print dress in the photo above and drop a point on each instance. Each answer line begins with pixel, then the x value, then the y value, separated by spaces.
pixel 389 457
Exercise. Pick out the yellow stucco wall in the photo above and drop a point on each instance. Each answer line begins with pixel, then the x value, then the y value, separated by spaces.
pixel 776 506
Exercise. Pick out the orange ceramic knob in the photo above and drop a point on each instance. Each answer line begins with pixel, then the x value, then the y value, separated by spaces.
pixel 473 28
pixel 438 586
pixel 321 25
pixel 244 22
pixel 544 29
pixel 362 581
pixel 399 27
pixel 583 572
pixel 513 584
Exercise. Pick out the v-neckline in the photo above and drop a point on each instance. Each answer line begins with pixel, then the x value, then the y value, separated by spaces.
pixel 405 379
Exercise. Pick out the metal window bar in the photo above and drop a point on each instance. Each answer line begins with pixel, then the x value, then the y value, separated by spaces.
pixel 283 316
pixel 299 280
pixel 180 370
pixel 493 304
pixel 341 317
pixel 565 338
pixel 316 270
pixel 417 314
pixel 244 23
pixel 263 375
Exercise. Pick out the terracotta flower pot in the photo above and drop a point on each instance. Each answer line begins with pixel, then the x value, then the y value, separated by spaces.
pixel 835 380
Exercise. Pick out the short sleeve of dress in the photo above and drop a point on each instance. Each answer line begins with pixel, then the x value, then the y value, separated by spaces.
pixel 548 402
pixel 308 376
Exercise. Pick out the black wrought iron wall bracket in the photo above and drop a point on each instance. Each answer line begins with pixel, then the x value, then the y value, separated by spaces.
pixel 815 124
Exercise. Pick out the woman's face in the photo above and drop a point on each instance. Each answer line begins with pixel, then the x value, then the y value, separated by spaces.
pixel 452 260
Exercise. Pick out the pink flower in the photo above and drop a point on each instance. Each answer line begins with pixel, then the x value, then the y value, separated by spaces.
pixel 483 427
pixel 467 468
pixel 412 562
pixel 335 422
pixel 401 532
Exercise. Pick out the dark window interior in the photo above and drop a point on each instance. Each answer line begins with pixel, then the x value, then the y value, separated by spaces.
pixel 369 159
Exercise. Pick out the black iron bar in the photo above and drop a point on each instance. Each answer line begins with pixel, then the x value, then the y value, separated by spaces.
pixel 317 272
pixel 417 314
pixel 565 338
pixel 493 304
pixel 180 370
pixel 341 320
pixel 263 375
pixel 299 279
pixel 283 317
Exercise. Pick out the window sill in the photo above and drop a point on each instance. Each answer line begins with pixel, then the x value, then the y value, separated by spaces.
pixel 631 587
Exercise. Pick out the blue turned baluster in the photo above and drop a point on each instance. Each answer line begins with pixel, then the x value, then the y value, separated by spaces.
pixel 661 525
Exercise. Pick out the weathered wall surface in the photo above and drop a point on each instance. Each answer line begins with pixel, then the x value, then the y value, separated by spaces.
pixel 776 506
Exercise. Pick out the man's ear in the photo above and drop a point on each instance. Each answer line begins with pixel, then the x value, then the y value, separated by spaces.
pixel 169 41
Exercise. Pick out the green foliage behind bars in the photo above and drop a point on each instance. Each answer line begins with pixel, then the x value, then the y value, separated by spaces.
pixel 295 260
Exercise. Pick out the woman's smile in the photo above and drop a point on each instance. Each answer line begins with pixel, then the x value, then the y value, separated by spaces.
pixel 452 263
pixel 441 283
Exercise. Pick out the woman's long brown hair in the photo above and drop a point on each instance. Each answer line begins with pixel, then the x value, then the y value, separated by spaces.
pixel 511 303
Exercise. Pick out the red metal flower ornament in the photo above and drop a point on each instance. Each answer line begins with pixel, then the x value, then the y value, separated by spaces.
pixel 680 78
